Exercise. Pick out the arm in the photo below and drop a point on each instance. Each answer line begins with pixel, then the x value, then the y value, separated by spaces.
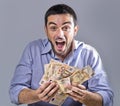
pixel 98 88
pixel 99 82
pixel 44 93
pixel 24 87
pixel 28 96
pixel 79 93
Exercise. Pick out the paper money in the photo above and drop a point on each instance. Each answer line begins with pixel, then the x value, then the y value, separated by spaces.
pixel 80 76
pixel 58 99
pixel 63 75
pixel 63 84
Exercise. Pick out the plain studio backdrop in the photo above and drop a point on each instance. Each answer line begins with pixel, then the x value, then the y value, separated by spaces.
pixel 22 21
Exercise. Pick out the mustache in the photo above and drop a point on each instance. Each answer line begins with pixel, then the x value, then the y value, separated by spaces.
pixel 61 38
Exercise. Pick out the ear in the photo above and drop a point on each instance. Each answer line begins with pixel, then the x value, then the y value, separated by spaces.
pixel 45 29
pixel 76 28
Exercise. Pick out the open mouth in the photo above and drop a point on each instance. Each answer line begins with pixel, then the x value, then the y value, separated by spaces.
pixel 60 44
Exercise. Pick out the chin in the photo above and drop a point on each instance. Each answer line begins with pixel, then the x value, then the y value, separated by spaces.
pixel 60 52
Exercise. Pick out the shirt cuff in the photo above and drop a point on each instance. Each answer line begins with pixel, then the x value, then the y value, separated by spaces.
pixel 14 93
pixel 107 99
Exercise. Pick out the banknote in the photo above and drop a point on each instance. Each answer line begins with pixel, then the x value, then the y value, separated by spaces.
pixel 80 76
pixel 58 99
pixel 63 75
pixel 63 83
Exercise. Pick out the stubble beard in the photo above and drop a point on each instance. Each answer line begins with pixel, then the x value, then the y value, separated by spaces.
pixel 64 53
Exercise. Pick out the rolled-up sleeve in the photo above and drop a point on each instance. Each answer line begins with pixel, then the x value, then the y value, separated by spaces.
pixel 22 76
pixel 99 82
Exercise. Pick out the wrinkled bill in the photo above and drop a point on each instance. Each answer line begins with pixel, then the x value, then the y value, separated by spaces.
pixel 64 75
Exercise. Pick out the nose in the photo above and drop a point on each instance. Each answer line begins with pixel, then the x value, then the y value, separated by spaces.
pixel 60 33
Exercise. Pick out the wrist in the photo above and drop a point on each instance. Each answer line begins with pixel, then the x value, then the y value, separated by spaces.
pixel 28 96
pixel 93 99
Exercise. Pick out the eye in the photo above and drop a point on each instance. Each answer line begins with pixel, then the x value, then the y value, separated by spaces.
pixel 53 28
pixel 66 28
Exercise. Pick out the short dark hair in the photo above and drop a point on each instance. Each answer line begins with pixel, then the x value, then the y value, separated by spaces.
pixel 60 9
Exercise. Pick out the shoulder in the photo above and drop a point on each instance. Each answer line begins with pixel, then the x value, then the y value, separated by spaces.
pixel 89 55
pixel 84 47
pixel 87 51
pixel 38 44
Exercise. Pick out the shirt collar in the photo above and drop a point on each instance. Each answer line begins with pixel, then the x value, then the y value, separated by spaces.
pixel 48 46
pixel 77 44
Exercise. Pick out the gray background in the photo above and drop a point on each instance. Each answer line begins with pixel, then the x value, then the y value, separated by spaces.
pixel 22 21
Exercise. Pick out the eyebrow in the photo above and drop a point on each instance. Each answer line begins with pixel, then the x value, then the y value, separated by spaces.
pixel 68 22
pixel 52 23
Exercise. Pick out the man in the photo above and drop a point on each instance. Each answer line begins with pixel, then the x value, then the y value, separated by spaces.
pixel 61 28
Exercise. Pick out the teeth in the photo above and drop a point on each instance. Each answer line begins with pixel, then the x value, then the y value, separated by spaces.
pixel 62 42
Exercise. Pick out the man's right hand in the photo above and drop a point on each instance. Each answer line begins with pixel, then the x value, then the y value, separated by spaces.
pixel 44 93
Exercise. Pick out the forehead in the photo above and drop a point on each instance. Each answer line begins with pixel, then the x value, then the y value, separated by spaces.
pixel 59 19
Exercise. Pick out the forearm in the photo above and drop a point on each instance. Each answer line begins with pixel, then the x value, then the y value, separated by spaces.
pixel 28 96
pixel 93 100
pixel 44 93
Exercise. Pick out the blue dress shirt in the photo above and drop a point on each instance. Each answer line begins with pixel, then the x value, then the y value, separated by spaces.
pixel 30 70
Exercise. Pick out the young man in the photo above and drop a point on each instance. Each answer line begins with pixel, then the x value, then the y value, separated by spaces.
pixel 61 28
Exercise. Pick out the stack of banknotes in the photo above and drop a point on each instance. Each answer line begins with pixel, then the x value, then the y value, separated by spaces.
pixel 64 75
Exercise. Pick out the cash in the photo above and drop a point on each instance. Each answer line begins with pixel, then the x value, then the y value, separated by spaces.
pixel 63 75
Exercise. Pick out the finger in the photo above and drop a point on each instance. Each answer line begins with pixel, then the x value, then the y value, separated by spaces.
pixel 43 87
pixel 77 90
pixel 76 85
pixel 68 86
pixel 53 90
pixel 75 94
pixel 49 88
pixel 53 93
pixel 76 97
pixel 79 85
pixel 47 96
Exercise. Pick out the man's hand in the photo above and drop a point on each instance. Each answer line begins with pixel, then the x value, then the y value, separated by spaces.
pixel 44 93
pixel 79 93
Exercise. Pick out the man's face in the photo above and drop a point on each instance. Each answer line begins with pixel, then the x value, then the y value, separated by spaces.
pixel 61 30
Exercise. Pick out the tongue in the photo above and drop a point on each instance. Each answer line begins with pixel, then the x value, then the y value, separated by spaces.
pixel 60 44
